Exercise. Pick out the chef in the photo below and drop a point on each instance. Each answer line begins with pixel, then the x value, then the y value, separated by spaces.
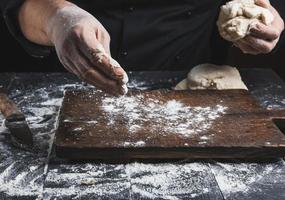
pixel 139 34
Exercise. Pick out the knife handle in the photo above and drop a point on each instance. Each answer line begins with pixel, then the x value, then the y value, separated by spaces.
pixel 9 109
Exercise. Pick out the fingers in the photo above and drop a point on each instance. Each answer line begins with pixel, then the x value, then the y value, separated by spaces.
pixel 246 48
pixel 265 37
pixel 82 45
pixel 262 45
pixel 99 80
pixel 93 76
pixel 75 62
pixel 97 54
pixel 107 64
pixel 104 38
pixel 278 22
pixel 263 3
pixel 265 32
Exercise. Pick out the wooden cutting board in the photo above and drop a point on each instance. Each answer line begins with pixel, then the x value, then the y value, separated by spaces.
pixel 164 124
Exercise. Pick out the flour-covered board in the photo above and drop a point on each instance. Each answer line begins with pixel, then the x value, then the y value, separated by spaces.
pixel 164 124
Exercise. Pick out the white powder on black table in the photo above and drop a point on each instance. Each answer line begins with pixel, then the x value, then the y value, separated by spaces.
pixel 164 181
pixel 151 181
pixel 171 117
pixel 237 180
pixel 22 174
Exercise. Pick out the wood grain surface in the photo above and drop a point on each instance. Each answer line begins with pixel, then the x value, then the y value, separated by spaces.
pixel 245 130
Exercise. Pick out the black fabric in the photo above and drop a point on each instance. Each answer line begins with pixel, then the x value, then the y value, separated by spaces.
pixel 159 35
pixel 9 9
pixel 8 4
pixel 147 34
pixel 280 7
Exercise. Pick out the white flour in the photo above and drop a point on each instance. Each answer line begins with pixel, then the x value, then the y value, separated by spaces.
pixel 134 144
pixel 17 185
pixel 133 84
pixel 171 116
pixel 168 181
pixel 163 181
pixel 270 101
pixel 52 102
pixel 241 178
pixel 21 173
pixel 86 179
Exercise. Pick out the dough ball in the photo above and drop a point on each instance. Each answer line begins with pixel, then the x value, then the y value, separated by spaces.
pixel 237 17
pixel 182 85
pixel 210 76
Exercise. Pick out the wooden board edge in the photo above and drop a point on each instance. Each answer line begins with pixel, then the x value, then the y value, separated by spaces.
pixel 169 153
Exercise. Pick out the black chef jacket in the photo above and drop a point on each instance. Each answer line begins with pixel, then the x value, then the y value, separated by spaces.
pixel 147 34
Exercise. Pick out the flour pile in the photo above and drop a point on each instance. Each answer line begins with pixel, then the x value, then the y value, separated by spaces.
pixel 171 117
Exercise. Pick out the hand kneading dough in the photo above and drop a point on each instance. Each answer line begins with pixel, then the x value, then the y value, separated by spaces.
pixel 237 17
pixel 209 76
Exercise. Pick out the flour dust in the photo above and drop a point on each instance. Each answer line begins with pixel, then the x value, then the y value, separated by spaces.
pixel 171 117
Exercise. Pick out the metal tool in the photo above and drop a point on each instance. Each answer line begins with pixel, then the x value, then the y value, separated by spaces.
pixel 15 121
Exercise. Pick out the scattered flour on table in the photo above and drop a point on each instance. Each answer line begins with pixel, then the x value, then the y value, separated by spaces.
pixel 20 183
pixel 270 102
pixel 239 179
pixel 152 181
pixel 85 181
pixel 41 111
pixel 133 84
pixel 86 122
pixel 22 172
pixel 52 102
pixel 134 144
pixel 168 181
pixel 171 116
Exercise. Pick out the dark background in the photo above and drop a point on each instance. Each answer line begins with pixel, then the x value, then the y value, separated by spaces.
pixel 13 55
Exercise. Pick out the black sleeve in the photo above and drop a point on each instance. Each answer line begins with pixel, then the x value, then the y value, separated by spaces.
pixel 9 9
pixel 280 7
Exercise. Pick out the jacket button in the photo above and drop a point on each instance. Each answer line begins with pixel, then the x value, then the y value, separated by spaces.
pixel 131 8
pixel 124 53
pixel 178 57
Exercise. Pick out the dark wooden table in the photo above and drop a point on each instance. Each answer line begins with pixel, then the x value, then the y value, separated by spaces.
pixel 40 175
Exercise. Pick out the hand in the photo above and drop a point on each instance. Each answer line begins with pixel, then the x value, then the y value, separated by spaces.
pixel 82 45
pixel 81 42
pixel 262 38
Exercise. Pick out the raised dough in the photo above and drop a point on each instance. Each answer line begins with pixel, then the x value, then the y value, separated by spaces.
pixel 237 17
pixel 210 76
pixel 182 85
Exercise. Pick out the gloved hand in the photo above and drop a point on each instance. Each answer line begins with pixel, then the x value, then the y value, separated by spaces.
pixel 82 45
